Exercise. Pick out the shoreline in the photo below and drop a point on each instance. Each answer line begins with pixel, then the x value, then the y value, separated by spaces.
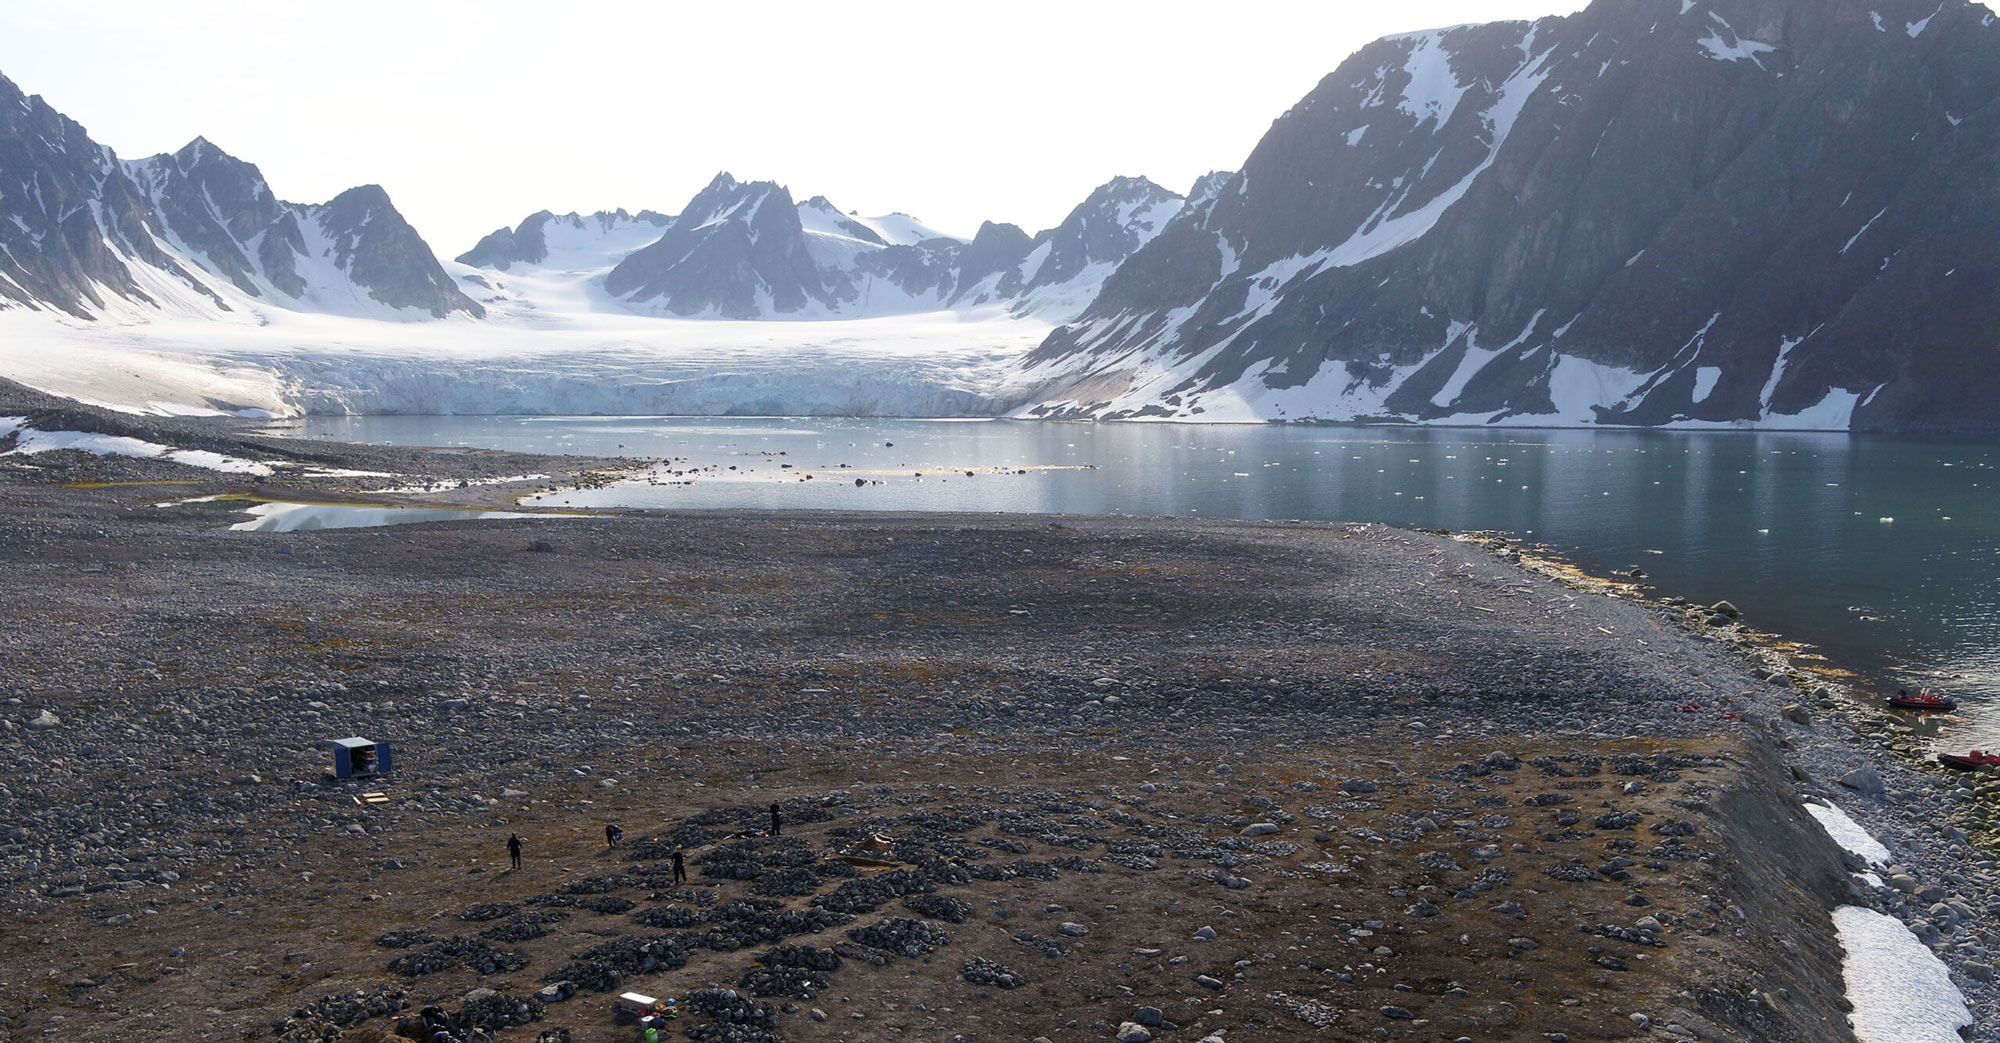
pixel 789 604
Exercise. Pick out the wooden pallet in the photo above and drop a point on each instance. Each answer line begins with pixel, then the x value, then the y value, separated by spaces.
pixel 372 798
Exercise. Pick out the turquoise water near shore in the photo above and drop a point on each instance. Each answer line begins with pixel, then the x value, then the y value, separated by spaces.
pixel 1883 552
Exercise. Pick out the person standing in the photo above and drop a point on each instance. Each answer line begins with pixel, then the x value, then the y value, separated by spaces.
pixel 514 848
pixel 775 820
pixel 680 868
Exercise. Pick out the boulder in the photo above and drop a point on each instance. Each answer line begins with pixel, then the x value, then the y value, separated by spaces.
pixel 1863 780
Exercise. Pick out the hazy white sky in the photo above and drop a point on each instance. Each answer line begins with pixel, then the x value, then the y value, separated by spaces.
pixel 474 115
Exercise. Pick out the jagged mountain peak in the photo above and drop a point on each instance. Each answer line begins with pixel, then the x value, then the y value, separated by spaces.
pixel 736 251
pixel 726 198
pixel 194 232
pixel 1072 260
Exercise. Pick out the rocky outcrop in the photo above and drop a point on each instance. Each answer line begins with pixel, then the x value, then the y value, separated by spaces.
pixel 1762 212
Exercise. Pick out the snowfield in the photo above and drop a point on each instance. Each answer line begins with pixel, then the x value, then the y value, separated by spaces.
pixel 564 362
pixel 931 364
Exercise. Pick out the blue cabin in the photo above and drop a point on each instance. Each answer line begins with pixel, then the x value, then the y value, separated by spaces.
pixel 356 757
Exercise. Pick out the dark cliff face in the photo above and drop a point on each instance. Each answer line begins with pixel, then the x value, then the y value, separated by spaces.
pixel 1652 211
pixel 200 217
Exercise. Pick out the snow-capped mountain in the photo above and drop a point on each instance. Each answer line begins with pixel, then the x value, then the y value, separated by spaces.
pixel 737 251
pixel 195 232
pixel 746 250
pixel 571 240
pixel 1775 212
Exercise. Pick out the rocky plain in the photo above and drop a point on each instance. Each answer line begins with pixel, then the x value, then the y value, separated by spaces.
pixel 1038 778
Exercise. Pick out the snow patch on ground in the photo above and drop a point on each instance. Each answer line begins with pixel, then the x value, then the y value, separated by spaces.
pixel 1704 381
pixel 1835 412
pixel 29 441
pixel 1848 833
pixel 1433 92
pixel 1575 385
pixel 1734 49
pixel 1900 990
pixel 1478 358
pixel 1864 229
pixel 1777 372
pixel 292 517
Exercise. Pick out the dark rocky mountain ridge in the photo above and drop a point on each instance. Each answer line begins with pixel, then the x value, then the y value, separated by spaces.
pixel 1652 211
pixel 82 231
pixel 746 250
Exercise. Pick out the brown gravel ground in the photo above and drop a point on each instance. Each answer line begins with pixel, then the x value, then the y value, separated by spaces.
pixel 648 669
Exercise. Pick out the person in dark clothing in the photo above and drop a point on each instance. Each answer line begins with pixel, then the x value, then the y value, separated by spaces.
pixel 680 868
pixel 514 848
pixel 612 835
pixel 775 830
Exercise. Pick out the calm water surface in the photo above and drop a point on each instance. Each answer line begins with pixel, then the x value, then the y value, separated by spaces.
pixel 1884 552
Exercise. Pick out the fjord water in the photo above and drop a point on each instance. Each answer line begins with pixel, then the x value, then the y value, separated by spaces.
pixel 1883 552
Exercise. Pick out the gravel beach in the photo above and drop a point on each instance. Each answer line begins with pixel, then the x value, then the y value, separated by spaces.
pixel 1058 778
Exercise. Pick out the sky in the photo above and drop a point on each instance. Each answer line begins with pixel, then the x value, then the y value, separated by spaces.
pixel 474 115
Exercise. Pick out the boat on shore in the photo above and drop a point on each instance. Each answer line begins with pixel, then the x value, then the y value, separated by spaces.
pixel 1924 701
pixel 1973 761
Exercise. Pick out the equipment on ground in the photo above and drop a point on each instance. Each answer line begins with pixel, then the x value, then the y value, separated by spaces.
pixel 355 757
